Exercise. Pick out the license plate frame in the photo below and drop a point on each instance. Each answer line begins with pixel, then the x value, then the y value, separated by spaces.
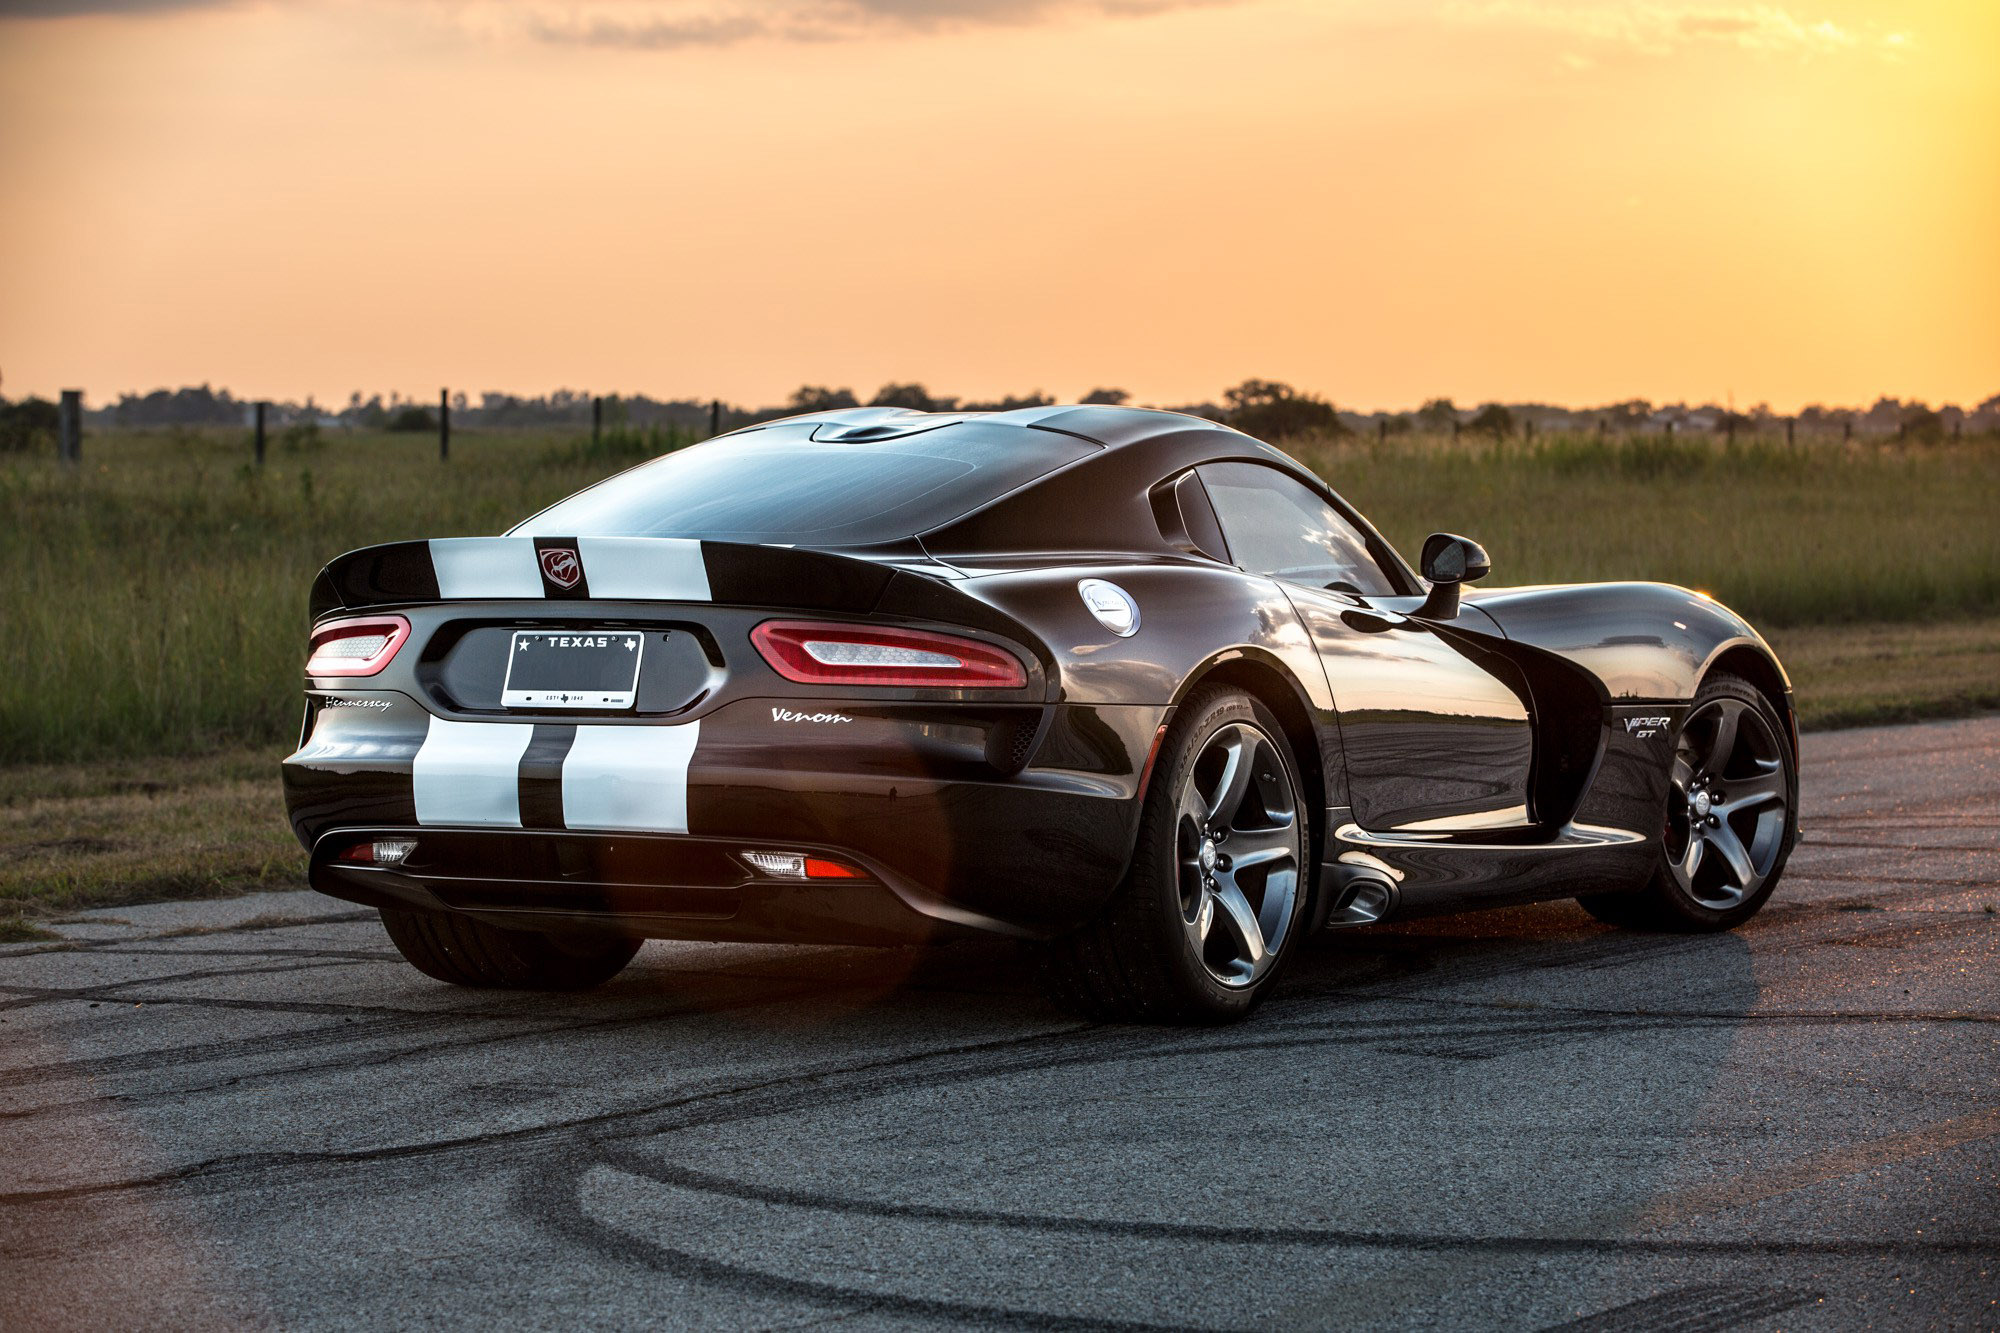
pixel 600 682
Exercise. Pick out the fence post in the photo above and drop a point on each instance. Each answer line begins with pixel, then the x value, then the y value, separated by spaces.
pixel 69 427
pixel 1382 430
pixel 1729 428
pixel 1454 428
pixel 714 418
pixel 1603 427
pixel 1847 430
pixel 444 425
pixel 1670 428
pixel 1528 427
pixel 257 430
pixel 1791 431
pixel 596 418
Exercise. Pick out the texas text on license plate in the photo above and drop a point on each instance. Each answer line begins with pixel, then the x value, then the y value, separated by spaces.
pixel 572 669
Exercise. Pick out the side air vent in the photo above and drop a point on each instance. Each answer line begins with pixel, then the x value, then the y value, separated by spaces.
pixel 1187 520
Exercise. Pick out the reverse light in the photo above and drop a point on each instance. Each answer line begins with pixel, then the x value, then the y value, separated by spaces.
pixel 385 852
pixel 798 865
pixel 813 653
pixel 356 647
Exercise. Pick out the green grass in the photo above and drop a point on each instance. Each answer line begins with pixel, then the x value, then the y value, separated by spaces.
pixel 154 602
pixel 110 832
pixel 1812 536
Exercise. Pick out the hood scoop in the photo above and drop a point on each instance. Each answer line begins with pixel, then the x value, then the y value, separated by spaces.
pixel 885 424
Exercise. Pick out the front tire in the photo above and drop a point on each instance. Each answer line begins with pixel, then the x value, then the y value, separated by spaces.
pixel 1206 916
pixel 464 952
pixel 1729 823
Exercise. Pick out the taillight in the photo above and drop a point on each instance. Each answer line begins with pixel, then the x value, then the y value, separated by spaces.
pixel 800 865
pixel 356 647
pixel 813 653
pixel 381 852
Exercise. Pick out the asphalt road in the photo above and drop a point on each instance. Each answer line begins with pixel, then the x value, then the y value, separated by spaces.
pixel 253 1113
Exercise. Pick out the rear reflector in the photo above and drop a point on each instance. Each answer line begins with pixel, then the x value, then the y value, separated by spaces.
pixel 388 852
pixel 798 865
pixel 815 653
pixel 356 647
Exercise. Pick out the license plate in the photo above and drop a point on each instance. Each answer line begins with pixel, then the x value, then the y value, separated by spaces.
pixel 571 669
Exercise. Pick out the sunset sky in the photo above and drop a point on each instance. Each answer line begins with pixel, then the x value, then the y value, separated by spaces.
pixel 1789 202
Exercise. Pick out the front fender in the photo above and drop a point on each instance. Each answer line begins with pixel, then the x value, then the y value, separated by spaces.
pixel 1643 641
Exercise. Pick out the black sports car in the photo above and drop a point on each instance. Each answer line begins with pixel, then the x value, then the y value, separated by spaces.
pixel 1128 684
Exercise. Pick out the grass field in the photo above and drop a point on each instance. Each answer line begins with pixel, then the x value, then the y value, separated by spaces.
pixel 153 602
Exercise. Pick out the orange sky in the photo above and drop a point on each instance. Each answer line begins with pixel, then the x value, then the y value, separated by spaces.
pixel 1517 199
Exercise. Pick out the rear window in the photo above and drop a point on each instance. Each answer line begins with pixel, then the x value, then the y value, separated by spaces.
pixel 781 486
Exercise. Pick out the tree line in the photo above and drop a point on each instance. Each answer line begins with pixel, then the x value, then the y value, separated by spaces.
pixel 1270 409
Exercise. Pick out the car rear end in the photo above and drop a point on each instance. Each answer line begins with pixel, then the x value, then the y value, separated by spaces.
pixel 681 738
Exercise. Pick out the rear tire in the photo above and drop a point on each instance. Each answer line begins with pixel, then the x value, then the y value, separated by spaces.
pixel 464 952
pixel 1213 902
pixel 1730 820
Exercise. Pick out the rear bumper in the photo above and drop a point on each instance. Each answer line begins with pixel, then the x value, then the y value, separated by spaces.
pixel 921 797
pixel 645 885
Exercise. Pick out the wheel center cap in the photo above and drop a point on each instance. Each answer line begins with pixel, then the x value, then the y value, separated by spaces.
pixel 1207 855
pixel 1700 804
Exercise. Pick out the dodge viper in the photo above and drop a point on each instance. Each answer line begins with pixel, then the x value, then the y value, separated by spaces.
pixel 1129 686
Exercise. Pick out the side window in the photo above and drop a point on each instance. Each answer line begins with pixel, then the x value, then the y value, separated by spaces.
pixel 1275 526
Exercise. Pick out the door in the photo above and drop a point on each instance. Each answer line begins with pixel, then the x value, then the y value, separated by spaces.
pixel 1435 739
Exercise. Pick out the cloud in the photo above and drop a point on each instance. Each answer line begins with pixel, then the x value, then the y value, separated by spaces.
pixel 47 9
pixel 668 24
pixel 1660 28
pixel 665 24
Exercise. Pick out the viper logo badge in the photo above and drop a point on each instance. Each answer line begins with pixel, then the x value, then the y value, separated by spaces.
pixel 1643 727
pixel 562 567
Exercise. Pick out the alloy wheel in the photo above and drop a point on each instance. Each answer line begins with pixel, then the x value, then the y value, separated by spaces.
pixel 1239 845
pixel 1731 798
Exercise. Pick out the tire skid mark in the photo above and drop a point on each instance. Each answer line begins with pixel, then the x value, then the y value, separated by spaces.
pixel 1893 881
pixel 110 942
pixel 680 1177
pixel 731 1102
pixel 799 1091
pixel 371 1059
pixel 556 1203
pixel 1707 1308
pixel 139 1062
pixel 26 997
pixel 1907 848
pixel 1750 1018
pixel 269 951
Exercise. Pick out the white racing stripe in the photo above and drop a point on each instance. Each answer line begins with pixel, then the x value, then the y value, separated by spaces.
pixel 470 773
pixel 640 569
pixel 486 567
pixel 644 569
pixel 632 778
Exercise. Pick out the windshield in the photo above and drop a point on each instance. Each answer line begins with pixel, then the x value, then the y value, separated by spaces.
pixel 780 486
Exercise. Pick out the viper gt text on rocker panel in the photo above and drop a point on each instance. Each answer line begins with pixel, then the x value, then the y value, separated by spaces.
pixel 1126 684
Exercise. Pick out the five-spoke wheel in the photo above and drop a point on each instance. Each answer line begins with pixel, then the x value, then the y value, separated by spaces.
pixel 1729 819
pixel 1731 800
pixel 1207 913
pixel 1239 844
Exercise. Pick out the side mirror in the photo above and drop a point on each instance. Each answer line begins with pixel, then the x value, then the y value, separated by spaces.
pixel 1450 560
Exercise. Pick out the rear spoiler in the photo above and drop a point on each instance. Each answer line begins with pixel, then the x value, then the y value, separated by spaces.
pixel 646 569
